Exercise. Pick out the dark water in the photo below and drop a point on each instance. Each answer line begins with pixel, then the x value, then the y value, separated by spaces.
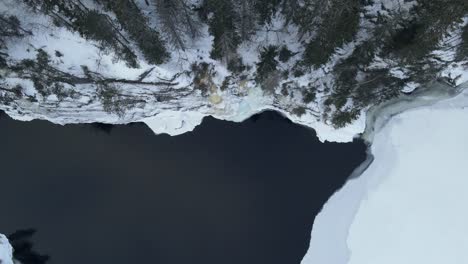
pixel 227 193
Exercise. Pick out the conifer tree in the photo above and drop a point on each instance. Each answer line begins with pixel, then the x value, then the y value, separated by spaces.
pixel 266 9
pixel 247 18
pixel 133 21
pixel 267 67
pixel 90 23
pixel 336 26
pixel 223 29
pixel 178 20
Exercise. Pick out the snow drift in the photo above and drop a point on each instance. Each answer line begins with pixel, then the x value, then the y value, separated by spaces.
pixel 409 205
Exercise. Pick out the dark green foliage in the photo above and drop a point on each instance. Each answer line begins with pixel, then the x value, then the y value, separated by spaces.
pixel 405 37
pixel 267 64
pixel 285 89
pixel 178 20
pixel 462 51
pixel 372 87
pixel 408 40
pixel 113 101
pixel 309 95
pixel 10 27
pixel 285 54
pixel 299 111
pixel 378 86
pixel 96 26
pixel 42 58
pixel 268 75
pixel 46 79
pixel 3 61
pixel 398 37
pixel 18 90
pixel 133 21
pixel 109 97
pixel 236 65
pixel 317 53
pixel 291 9
pixel 226 83
pixel 89 23
pixel 39 69
pixel 266 9
pixel 298 71
pixel 338 26
pixel 416 39
pixel 247 18
pixel 342 118
pixel 223 29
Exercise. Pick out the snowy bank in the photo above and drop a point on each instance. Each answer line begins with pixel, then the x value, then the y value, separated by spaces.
pixel 6 251
pixel 409 205
pixel 67 73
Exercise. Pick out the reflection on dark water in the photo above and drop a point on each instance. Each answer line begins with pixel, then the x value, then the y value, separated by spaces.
pixel 227 193
pixel 23 247
pixel 106 128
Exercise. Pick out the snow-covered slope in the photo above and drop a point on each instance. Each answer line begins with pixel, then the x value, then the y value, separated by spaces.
pixel 409 205
pixel 79 80
pixel 6 251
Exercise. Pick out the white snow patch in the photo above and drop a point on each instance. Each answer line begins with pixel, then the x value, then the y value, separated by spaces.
pixel 409 205
pixel 174 122
pixel 6 251
pixel 416 214
pixel 410 87
pixel 457 72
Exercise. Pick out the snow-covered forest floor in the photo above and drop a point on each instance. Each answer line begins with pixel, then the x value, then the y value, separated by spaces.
pixel 60 72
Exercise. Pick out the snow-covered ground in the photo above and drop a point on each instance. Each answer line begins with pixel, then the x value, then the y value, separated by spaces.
pixel 409 205
pixel 179 108
pixel 6 251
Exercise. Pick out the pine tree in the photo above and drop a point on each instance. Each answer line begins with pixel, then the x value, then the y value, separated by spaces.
pixel 90 23
pixel 291 9
pixel 247 18
pixel 10 27
pixel 266 9
pixel 267 64
pixel 223 29
pixel 178 20
pixel 414 41
pixel 334 28
pixel 462 51
pixel 132 20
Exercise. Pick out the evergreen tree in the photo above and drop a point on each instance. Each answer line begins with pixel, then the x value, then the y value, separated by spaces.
pixel 91 24
pixel 337 26
pixel 291 9
pixel 223 28
pixel 266 9
pixel 267 68
pixel 416 39
pixel 10 27
pixel 133 21
pixel 462 51
pixel 178 20
pixel 247 18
